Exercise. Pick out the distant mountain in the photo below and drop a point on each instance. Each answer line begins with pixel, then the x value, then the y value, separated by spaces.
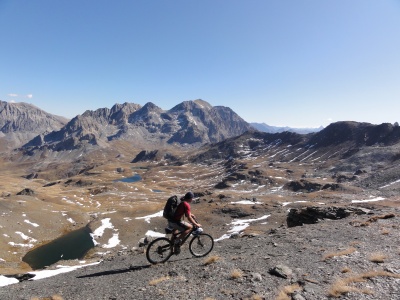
pixel 357 135
pixel 341 146
pixel 274 129
pixel 191 123
pixel 20 122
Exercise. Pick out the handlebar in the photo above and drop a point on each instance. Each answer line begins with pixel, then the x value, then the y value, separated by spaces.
pixel 194 226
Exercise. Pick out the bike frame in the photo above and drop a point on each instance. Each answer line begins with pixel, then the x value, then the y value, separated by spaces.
pixel 173 235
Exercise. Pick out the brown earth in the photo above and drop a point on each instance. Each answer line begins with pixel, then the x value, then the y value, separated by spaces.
pixel 61 203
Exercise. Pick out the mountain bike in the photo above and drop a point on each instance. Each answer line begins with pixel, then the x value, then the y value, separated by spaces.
pixel 161 249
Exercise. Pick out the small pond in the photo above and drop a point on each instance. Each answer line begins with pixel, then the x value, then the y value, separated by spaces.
pixel 73 245
pixel 134 178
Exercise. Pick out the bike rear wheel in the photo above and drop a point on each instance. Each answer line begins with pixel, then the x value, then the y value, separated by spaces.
pixel 201 245
pixel 159 250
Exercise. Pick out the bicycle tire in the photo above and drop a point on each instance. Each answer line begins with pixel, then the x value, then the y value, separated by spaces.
pixel 159 250
pixel 201 245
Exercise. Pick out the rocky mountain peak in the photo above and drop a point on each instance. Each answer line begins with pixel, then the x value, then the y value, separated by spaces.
pixel 201 122
pixel 148 113
pixel 24 117
pixel 121 112
pixel 357 133
pixel 191 106
pixel 203 104
pixel 150 106
pixel 191 122
pixel 20 122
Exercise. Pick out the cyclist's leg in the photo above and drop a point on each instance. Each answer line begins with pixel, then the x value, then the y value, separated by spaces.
pixel 178 229
pixel 187 227
pixel 175 234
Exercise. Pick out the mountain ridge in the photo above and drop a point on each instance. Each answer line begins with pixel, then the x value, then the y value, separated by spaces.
pixel 20 122
pixel 275 129
pixel 190 122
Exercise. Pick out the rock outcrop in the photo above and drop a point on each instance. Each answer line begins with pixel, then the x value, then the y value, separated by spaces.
pixel 314 214
pixel 191 122
pixel 20 122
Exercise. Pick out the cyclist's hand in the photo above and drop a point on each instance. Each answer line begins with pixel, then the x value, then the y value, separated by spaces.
pixel 198 225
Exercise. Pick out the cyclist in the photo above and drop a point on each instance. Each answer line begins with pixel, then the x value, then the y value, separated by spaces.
pixel 181 227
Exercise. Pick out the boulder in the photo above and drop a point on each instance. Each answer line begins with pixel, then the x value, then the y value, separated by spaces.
pixel 303 185
pixel 313 214
pixel 281 271
pixel 26 192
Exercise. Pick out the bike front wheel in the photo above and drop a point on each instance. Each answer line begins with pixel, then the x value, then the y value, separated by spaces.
pixel 159 250
pixel 201 245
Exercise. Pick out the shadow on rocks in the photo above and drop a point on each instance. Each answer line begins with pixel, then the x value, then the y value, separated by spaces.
pixel 117 271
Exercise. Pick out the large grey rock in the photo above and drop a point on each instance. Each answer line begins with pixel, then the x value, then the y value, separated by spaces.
pixel 313 214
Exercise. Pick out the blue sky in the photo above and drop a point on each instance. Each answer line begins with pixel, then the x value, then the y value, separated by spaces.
pixel 285 62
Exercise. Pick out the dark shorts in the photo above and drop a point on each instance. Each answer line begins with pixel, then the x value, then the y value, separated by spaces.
pixel 180 225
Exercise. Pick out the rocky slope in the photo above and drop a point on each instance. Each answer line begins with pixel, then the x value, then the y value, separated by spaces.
pixel 20 122
pixel 353 257
pixel 342 147
pixel 191 122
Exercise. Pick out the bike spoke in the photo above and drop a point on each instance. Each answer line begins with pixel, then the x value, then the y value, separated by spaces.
pixel 159 250
pixel 199 242
pixel 201 245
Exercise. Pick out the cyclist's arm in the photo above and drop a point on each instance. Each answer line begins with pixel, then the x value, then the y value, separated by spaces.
pixel 192 220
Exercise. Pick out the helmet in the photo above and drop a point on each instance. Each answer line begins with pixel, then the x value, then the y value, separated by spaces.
pixel 189 195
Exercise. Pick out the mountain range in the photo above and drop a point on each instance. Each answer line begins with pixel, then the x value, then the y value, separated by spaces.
pixel 340 147
pixel 274 129
pixel 211 132
pixel 188 123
